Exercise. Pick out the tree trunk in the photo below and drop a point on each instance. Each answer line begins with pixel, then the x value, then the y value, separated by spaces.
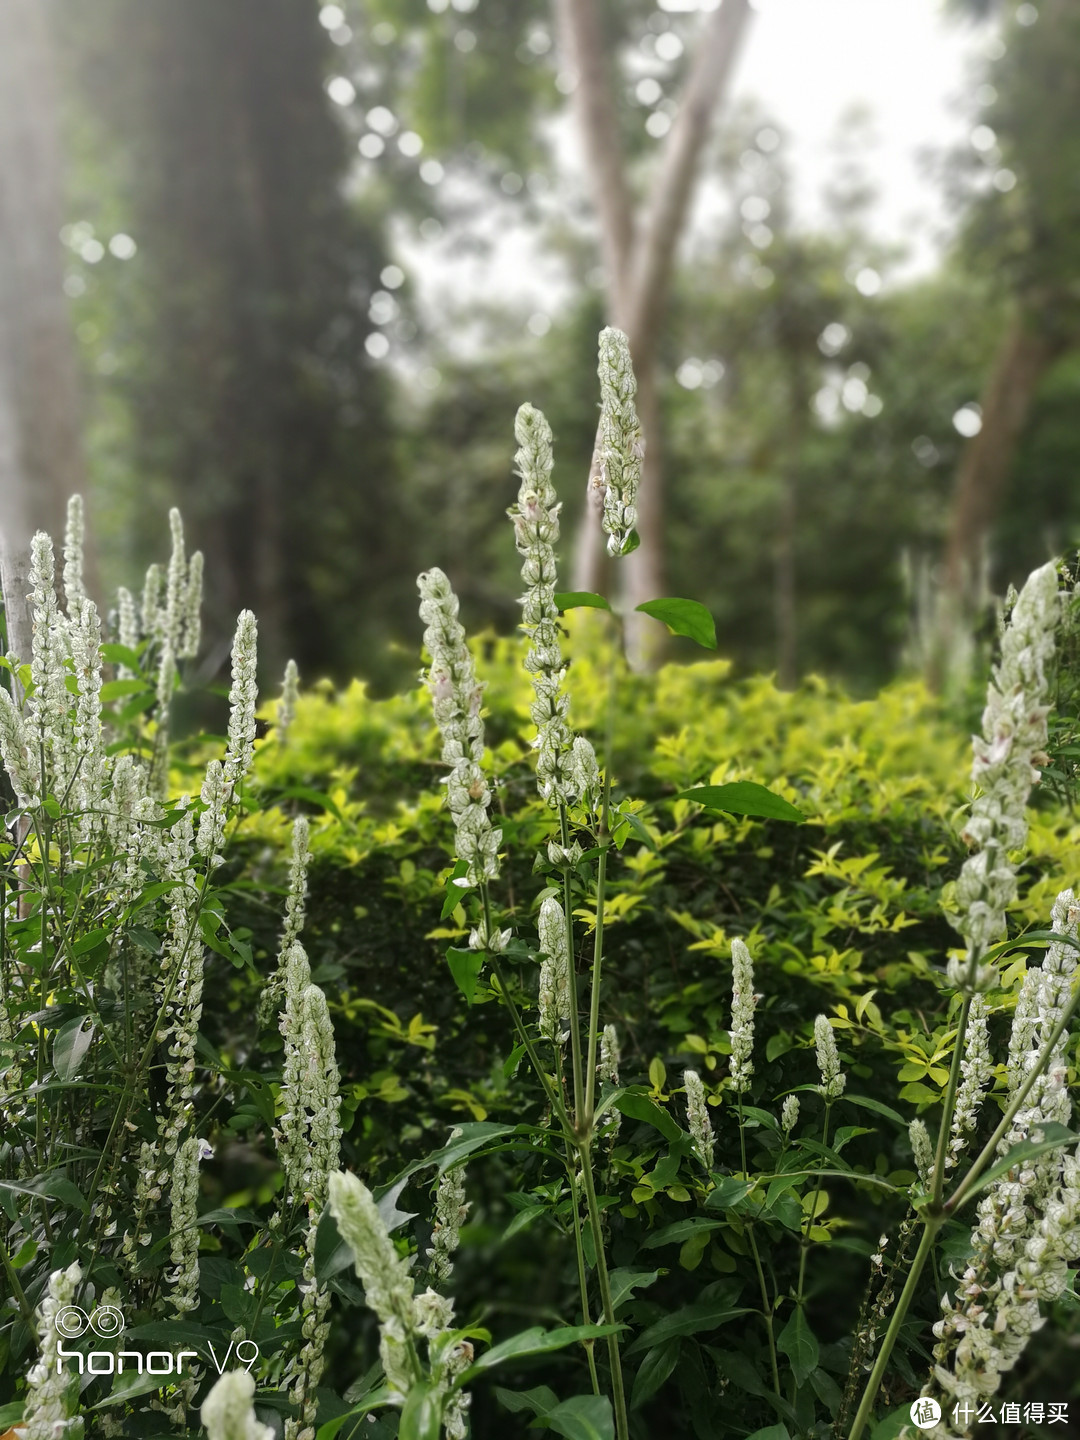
pixel 43 461
pixel 1026 353
pixel 639 260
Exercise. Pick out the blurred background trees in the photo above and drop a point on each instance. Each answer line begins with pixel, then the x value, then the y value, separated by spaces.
pixel 254 247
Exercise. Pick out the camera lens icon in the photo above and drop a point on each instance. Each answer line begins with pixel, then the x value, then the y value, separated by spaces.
pixel 107 1322
pixel 70 1322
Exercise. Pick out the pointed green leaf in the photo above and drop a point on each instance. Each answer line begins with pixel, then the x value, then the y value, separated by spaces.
pixel 684 617
pixel 705 1315
pixel 465 967
pixel 653 1371
pixel 640 1107
pixel 580 600
pixel 797 1342
pixel 743 797
pixel 421 1419
pixel 534 1341
pixel 70 1045
pixel 583 1417
pixel 631 543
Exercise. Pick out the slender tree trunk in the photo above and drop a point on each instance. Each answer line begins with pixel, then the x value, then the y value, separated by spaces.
pixel 1026 353
pixel 43 463
pixel 639 260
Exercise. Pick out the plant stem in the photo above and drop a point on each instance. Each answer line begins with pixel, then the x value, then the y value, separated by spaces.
pixel 622 1424
pixel 766 1304
pixel 575 1023
pixel 950 1102
pixel 586 1120
pixel 866 1404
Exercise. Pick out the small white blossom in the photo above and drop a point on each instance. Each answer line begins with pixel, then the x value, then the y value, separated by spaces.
pixel 52 1390
pixel 828 1059
pixel 456 697
pixel 743 1004
pixel 1012 743
pixel 290 692
pixel 191 617
pixel 789 1113
pixel 228 1413
pixel 697 1118
pixel 15 749
pixel 74 537
pixel 450 1212
pixel 621 447
pixel 555 968
pixel 243 697
pixel 923 1152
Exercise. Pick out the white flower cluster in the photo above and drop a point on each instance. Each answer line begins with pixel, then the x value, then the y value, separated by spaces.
pixel 405 1319
pixel 48 704
pixel 789 1113
pixel 290 694
pixel 308 1132
pixel 607 1072
pixel 976 1072
pixel 228 1413
pixel 243 698
pixel 697 1118
pixel 621 446
pixel 1028 1226
pixel 828 1059
pixel 456 697
pixel 295 900
pixel 450 1211
pixel 555 971
pixel 743 1005
pixel 1006 757
pixel 52 1391
pixel 184 1252
pixel 566 767
pixel 923 1151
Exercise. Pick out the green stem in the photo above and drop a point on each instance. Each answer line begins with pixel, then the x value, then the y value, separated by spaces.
pixel 575 1024
pixel 586 1119
pixel 583 1279
pixel 805 1243
pixel 622 1424
pixel 766 1304
pixel 866 1404
pixel 941 1153
pixel 25 1308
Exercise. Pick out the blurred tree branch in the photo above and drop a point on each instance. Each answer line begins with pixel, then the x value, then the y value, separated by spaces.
pixel 639 254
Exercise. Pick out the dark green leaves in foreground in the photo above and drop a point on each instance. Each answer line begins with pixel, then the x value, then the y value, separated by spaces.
pixel 743 797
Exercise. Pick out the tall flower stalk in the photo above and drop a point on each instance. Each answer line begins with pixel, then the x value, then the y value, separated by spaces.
pixel 1006 759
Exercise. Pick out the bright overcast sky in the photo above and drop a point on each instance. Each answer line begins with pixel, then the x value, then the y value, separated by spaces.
pixel 806 63
pixel 810 61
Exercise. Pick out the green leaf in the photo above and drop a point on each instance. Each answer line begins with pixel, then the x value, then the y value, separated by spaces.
pixel 534 1341
pixel 539 1400
pixel 583 1417
pixel 421 1419
pixel 631 543
pixel 465 967
pixel 743 797
pixel 771 1432
pixel 113 689
pixel 890 1426
pixel 728 1193
pixel 70 1045
pixel 653 1371
pixel 372 1401
pixel 679 1231
pixel 10 1413
pixel 628 818
pixel 797 1342
pixel 624 1282
pixel 705 1315
pixel 1055 1137
pixel 640 1107
pixel 455 893
pixel 684 617
pixel 522 1219
pixel 864 1102
pixel 332 1253
pixel 580 600
pixel 120 655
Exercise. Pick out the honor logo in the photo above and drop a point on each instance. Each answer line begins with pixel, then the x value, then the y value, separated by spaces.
pixel 108 1322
